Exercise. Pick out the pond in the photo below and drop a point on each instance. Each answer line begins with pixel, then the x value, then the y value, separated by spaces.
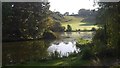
pixel 41 50
pixel 63 48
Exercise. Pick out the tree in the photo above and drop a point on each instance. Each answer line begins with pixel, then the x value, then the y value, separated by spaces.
pixel 69 28
pixel 56 27
pixel 109 18
pixel 66 13
pixel 57 18
pixel 24 20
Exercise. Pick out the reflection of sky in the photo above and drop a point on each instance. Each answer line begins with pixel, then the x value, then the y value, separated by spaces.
pixel 65 45
pixel 63 48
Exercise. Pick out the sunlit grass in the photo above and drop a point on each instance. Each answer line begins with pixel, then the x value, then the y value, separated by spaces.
pixel 82 41
pixel 58 63
pixel 75 23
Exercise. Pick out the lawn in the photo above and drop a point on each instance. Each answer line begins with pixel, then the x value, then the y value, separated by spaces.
pixel 75 23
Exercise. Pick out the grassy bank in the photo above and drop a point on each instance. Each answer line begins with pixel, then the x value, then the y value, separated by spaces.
pixel 70 61
pixel 75 23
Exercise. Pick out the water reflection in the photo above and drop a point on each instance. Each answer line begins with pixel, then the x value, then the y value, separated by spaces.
pixel 64 48
pixel 22 52
pixel 37 51
pixel 76 35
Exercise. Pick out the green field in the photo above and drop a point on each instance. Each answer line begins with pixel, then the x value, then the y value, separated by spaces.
pixel 75 23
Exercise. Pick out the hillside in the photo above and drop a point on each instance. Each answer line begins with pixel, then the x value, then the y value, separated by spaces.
pixel 77 22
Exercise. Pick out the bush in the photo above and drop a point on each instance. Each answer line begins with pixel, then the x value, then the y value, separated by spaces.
pixel 57 27
pixel 100 38
pixel 69 28
pixel 87 53
pixel 93 29
pixel 86 48
pixel 49 35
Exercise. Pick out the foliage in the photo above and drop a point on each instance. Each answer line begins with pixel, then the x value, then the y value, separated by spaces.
pixel 49 35
pixel 69 28
pixel 107 39
pixel 82 41
pixel 93 29
pixel 24 20
pixel 87 53
pixel 105 43
pixel 57 16
pixel 76 24
pixel 86 49
pixel 100 37
pixel 66 14
pixel 56 27
pixel 86 13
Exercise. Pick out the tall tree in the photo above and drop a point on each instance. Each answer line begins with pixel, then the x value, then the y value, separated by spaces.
pixel 24 20
pixel 109 17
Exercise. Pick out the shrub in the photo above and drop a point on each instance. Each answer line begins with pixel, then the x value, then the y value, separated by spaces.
pixel 87 53
pixel 49 35
pixel 86 48
pixel 93 29
pixel 69 28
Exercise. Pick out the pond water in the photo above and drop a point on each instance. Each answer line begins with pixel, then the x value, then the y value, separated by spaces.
pixel 26 51
pixel 63 48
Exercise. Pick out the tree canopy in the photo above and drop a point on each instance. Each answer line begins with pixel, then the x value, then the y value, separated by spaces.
pixel 109 18
pixel 24 20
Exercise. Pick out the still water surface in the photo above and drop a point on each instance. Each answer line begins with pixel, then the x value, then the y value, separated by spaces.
pixel 22 52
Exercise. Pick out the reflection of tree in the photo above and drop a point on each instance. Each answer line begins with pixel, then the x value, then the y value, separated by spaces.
pixel 23 52
pixel 63 33
pixel 78 32
pixel 69 34
pixel 56 43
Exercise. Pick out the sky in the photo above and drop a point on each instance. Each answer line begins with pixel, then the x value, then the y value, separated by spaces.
pixel 71 6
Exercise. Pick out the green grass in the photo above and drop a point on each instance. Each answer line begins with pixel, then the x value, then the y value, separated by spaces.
pixel 76 23
pixel 82 41
pixel 70 61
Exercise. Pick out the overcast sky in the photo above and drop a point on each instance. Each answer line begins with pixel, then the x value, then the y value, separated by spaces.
pixel 71 6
